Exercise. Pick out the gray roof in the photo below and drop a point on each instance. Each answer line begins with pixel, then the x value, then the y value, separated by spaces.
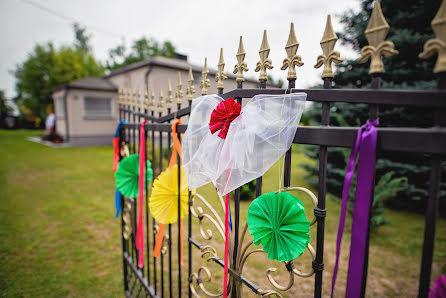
pixel 100 83
pixel 179 64
pixel 103 84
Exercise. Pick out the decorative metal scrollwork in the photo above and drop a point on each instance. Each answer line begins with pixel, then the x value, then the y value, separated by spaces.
pixel 209 253
pixel 127 218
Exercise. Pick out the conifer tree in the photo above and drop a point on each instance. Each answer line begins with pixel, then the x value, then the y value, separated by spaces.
pixel 410 28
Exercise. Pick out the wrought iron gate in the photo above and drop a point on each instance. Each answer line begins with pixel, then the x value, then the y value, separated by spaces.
pixel 165 275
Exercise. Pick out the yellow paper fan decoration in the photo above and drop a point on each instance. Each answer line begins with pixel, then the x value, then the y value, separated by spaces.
pixel 163 202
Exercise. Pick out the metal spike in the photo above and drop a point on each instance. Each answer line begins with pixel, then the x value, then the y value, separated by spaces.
pixel 265 62
pixel 179 93
pixel 220 76
pixel 292 60
pixel 241 65
pixel 437 44
pixel 190 90
pixel 169 98
pixel 376 33
pixel 328 56
pixel 205 82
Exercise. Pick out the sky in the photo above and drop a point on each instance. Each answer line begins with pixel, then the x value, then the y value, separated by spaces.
pixel 196 28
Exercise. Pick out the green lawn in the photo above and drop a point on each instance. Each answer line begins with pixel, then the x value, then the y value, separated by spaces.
pixel 58 234
pixel 59 237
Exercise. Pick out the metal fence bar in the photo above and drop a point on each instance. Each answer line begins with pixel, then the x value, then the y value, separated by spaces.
pixel 124 242
pixel 420 98
pixel 235 288
pixel 146 207
pixel 169 242
pixel 402 139
pixel 153 220
pixel 320 212
pixel 432 206
pixel 138 274
pixel 179 220
pixel 373 114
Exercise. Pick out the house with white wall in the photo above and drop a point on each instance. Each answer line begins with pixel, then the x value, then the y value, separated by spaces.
pixel 87 110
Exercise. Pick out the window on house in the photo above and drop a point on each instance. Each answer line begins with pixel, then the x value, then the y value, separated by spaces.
pixel 97 108
pixel 59 106
pixel 197 79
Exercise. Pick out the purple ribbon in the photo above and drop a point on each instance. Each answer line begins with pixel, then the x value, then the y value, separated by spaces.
pixel 366 143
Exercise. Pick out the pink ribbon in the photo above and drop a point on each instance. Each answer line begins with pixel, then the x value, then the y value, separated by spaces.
pixel 142 168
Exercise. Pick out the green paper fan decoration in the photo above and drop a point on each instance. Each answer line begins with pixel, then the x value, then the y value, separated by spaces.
pixel 278 222
pixel 127 175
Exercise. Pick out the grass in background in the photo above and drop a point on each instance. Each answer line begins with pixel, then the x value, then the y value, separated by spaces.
pixel 58 234
pixel 59 237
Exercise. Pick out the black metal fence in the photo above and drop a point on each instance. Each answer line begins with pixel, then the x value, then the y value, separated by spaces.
pixel 165 276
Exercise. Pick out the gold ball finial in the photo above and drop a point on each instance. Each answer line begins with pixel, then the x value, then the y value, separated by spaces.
pixel 292 60
pixel 264 63
pixel 376 33
pixel 328 54
pixel 205 82
pixel 241 65
pixel 437 44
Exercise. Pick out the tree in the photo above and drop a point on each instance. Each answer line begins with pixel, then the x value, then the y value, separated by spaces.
pixel 46 68
pixel 409 29
pixel 5 109
pixel 141 50
pixel 82 39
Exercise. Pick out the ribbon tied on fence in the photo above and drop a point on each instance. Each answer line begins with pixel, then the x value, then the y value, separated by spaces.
pixel 163 202
pixel 365 144
pixel 116 157
pixel 141 185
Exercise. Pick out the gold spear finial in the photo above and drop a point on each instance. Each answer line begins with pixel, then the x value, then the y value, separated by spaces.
pixel 152 100
pixel 179 93
pixel 205 82
pixel 135 99
pixel 221 76
pixel 328 54
pixel 265 62
pixel 140 99
pixel 437 44
pixel 161 101
pixel 190 90
pixel 128 100
pixel 241 65
pixel 129 97
pixel 169 98
pixel 119 95
pixel 376 33
pixel 146 99
pixel 122 96
pixel 292 60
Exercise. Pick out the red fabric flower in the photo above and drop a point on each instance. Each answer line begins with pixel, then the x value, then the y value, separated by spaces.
pixel 222 116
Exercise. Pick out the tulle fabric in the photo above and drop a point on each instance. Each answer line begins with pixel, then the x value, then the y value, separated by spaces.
pixel 256 139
